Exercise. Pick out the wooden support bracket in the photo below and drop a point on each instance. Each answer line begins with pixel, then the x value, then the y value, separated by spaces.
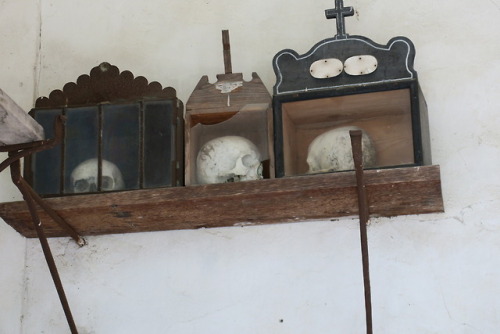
pixel 17 152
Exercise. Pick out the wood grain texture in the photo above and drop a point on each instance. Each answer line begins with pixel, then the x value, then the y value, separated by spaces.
pixel 206 97
pixel 391 192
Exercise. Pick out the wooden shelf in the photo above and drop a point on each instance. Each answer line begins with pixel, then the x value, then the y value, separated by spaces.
pixel 391 192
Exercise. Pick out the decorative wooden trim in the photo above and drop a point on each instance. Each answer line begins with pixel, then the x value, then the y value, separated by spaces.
pixel 391 192
pixel 395 64
pixel 104 84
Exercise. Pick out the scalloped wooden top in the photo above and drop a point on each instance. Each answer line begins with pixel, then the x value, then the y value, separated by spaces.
pixel 104 84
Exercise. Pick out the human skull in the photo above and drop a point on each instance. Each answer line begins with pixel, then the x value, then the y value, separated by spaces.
pixel 332 151
pixel 228 159
pixel 84 177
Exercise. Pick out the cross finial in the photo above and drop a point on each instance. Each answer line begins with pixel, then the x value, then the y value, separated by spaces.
pixel 338 13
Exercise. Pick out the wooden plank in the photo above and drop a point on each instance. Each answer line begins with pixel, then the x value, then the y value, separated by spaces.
pixel 16 126
pixel 391 192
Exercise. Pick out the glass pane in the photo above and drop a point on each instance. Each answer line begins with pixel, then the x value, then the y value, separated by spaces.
pixel 46 165
pixel 316 132
pixel 120 146
pixel 159 144
pixel 81 149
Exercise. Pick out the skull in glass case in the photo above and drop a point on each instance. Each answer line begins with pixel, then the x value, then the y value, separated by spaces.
pixel 84 178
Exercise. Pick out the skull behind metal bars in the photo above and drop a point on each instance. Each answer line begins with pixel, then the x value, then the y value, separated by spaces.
pixel 331 151
pixel 84 177
pixel 228 159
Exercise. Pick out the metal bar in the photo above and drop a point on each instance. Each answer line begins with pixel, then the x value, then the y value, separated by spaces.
pixel 227 52
pixel 17 179
pixel 17 147
pixel 100 115
pixel 62 150
pixel 53 214
pixel 142 110
pixel 19 151
pixel 357 154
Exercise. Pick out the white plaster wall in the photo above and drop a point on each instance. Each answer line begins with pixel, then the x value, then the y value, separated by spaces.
pixel 18 40
pixel 12 262
pixel 435 273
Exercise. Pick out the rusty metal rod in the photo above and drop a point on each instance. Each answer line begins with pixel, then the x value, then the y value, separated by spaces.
pixel 53 214
pixel 357 154
pixel 226 52
pixel 17 179
pixel 19 151
pixel 40 145
pixel 22 151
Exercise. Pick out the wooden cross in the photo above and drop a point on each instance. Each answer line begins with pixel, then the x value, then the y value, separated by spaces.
pixel 338 13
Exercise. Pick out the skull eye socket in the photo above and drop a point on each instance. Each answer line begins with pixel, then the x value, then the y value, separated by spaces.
pixel 107 183
pixel 81 186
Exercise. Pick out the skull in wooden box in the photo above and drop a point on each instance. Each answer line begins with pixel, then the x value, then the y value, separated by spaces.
pixel 331 151
pixel 228 159
pixel 84 177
